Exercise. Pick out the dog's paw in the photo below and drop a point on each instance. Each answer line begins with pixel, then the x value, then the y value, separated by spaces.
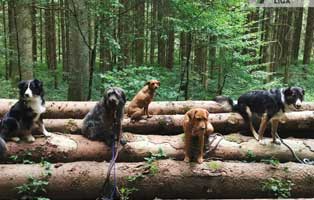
pixel 200 160
pixel 47 134
pixel 30 138
pixel 262 142
pixel 186 159
pixel 276 141
pixel 123 142
pixel 15 139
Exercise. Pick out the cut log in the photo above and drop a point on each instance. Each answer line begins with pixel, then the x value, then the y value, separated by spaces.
pixel 69 148
pixel 294 124
pixel 170 179
pixel 78 109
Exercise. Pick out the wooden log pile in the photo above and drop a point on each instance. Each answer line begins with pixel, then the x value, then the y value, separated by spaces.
pixel 239 167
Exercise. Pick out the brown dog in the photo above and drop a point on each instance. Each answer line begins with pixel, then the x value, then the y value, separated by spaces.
pixel 197 130
pixel 139 104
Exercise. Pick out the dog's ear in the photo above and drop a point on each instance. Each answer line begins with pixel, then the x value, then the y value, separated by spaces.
pixel 147 83
pixel 158 82
pixel 123 96
pixel 21 84
pixel 207 115
pixel 38 83
pixel 288 91
pixel 191 114
pixel 303 92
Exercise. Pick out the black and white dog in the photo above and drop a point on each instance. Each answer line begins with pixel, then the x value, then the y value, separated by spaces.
pixel 270 105
pixel 24 115
pixel 104 121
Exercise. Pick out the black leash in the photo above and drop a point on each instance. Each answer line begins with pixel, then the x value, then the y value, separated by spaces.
pixel 304 161
pixel 115 153
pixel 211 140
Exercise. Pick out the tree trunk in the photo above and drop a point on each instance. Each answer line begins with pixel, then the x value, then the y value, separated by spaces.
pixel 5 45
pixel 153 32
pixel 78 51
pixel 124 32
pixel 212 55
pixel 70 148
pixel 139 33
pixel 297 33
pixel 161 39
pixel 296 124
pixel 308 38
pixel 66 68
pixel 34 31
pixel 84 180
pixel 63 37
pixel 41 49
pixel 20 40
pixel 24 38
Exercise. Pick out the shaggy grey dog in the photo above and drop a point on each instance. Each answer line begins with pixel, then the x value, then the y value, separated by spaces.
pixel 104 121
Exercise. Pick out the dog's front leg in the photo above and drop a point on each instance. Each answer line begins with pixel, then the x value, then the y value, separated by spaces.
pixel 274 128
pixel 146 111
pixel 201 147
pixel 262 128
pixel 42 128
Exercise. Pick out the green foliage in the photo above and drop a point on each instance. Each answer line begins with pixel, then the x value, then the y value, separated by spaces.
pixel 250 156
pixel 271 161
pixel 151 161
pixel 278 188
pixel 132 79
pixel 25 157
pixel 35 189
pixel 126 192
pixel 134 178
pixel 214 166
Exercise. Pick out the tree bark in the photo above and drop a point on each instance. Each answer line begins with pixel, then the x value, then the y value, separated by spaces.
pixel 308 37
pixel 161 40
pixel 139 33
pixel 297 33
pixel 296 124
pixel 78 51
pixel 20 42
pixel 84 180
pixel 34 31
pixel 70 148
pixel 153 31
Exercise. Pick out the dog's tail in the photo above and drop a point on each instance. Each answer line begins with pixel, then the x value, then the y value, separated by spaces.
pixel 227 103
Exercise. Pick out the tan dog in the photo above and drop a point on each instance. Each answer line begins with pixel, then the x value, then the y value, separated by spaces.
pixel 139 104
pixel 197 130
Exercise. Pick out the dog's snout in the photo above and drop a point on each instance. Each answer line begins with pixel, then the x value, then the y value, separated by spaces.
pixel 298 106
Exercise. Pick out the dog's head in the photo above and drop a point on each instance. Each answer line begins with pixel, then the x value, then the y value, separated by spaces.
pixel 114 97
pixel 30 89
pixel 294 96
pixel 198 119
pixel 153 84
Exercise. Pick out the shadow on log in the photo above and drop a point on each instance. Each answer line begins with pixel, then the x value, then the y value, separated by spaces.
pixel 296 124
pixel 172 179
pixel 69 148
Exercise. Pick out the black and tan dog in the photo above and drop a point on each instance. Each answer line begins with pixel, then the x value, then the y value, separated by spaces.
pixel 25 114
pixel 270 105
pixel 104 121
pixel 197 130
pixel 139 104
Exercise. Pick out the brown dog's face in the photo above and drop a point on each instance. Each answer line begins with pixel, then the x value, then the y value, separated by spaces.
pixel 198 121
pixel 153 84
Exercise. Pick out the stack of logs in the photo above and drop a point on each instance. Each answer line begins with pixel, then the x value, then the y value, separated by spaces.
pixel 78 170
